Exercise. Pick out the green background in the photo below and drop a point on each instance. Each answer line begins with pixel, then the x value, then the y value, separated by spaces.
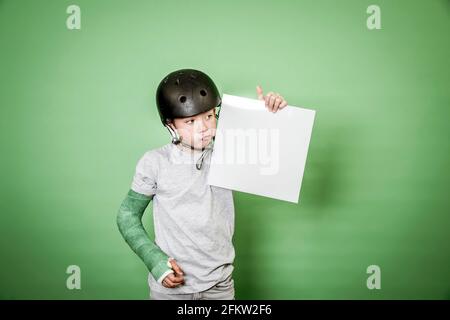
pixel 77 112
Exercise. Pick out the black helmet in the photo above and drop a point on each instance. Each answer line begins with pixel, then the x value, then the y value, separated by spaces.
pixel 186 93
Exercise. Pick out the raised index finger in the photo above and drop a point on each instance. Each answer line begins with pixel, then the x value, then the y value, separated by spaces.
pixel 259 92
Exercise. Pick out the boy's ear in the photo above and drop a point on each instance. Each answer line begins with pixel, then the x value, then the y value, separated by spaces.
pixel 171 124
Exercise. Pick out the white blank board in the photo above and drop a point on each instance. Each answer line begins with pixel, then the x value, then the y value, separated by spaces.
pixel 260 152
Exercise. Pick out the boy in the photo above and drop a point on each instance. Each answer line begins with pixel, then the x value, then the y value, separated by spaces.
pixel 192 255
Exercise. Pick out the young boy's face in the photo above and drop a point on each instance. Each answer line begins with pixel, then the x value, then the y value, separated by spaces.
pixel 198 130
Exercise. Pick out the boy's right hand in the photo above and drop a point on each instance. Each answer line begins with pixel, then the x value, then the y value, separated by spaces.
pixel 176 279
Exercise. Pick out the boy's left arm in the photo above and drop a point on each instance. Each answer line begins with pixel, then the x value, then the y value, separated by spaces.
pixel 274 101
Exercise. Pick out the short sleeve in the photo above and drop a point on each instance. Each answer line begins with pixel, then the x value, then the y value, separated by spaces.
pixel 145 176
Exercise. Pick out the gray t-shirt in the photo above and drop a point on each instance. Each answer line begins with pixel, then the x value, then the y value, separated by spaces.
pixel 193 221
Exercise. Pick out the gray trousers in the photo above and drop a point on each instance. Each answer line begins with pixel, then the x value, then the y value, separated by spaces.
pixel 223 290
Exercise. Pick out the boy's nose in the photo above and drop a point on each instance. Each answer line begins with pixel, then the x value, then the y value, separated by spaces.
pixel 202 127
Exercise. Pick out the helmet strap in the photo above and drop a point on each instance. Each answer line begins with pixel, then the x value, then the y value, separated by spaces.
pixel 176 139
pixel 174 134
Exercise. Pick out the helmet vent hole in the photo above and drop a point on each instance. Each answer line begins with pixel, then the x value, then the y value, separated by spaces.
pixel 177 82
pixel 193 76
pixel 182 99
pixel 203 92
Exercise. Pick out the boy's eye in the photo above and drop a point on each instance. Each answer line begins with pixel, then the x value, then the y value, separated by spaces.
pixel 189 121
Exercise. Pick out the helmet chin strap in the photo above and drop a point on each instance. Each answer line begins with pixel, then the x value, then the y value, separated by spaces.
pixel 207 149
pixel 176 139
pixel 204 150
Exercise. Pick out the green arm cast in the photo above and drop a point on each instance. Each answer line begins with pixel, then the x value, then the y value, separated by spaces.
pixel 129 221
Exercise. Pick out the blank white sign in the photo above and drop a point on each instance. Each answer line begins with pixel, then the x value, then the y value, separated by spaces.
pixel 260 152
